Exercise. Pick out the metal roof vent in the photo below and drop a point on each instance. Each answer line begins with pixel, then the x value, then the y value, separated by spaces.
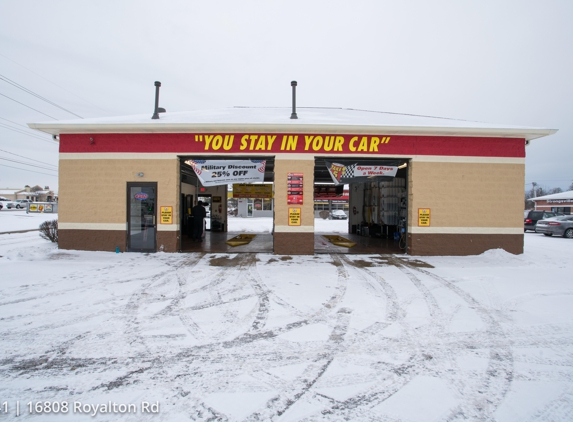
pixel 157 108
pixel 293 114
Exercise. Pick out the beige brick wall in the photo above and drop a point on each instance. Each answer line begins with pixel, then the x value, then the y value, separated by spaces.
pixel 467 194
pixel 282 168
pixel 94 191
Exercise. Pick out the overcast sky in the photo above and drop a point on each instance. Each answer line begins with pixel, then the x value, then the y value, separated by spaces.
pixel 495 61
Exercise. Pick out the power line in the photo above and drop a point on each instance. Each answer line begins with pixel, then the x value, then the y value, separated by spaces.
pixel 61 87
pixel 29 91
pixel 31 171
pixel 26 164
pixel 20 131
pixel 550 180
pixel 31 159
pixel 29 107
pixel 25 133
pixel 19 124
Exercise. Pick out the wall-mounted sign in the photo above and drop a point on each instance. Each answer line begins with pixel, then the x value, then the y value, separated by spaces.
pixel 295 188
pixel 166 215
pixel 327 191
pixel 297 143
pixel 559 201
pixel 245 190
pixel 294 216
pixel 216 199
pixel 224 172
pixel 42 207
pixel 141 196
pixel 424 217
pixel 347 173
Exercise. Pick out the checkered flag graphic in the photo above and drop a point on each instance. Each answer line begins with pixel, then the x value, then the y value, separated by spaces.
pixel 348 172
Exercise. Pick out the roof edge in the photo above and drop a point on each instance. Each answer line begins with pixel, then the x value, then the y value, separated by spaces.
pixel 58 129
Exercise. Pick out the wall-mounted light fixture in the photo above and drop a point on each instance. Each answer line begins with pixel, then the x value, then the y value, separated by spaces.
pixel 140 174
pixel 403 166
pixel 92 141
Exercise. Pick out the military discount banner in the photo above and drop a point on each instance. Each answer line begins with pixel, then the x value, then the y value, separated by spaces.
pixel 223 172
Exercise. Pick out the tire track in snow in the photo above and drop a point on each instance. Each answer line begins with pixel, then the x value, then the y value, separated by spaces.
pixel 281 403
pixel 357 407
pixel 494 385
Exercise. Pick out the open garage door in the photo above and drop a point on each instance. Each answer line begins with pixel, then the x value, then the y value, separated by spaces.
pixel 247 216
pixel 367 211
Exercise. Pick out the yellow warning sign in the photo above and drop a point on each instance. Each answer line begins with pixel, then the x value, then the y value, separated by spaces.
pixel 424 217
pixel 166 215
pixel 294 216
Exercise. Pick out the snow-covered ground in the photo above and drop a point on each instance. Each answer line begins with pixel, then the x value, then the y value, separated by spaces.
pixel 265 225
pixel 286 338
pixel 14 220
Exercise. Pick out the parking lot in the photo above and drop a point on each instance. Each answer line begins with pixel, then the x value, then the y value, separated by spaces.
pixel 267 337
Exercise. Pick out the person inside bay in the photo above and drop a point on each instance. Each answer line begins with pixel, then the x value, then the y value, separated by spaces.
pixel 199 215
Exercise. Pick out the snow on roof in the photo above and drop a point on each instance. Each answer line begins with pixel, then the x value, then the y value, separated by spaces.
pixel 561 195
pixel 278 119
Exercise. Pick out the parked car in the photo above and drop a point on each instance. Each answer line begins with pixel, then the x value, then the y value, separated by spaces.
pixel 22 203
pixel 338 215
pixel 531 218
pixel 561 225
pixel 5 203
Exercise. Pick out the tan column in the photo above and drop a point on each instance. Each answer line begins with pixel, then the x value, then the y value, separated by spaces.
pixel 292 239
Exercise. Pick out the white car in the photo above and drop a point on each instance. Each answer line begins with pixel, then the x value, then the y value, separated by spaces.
pixel 21 203
pixel 338 215
pixel 5 203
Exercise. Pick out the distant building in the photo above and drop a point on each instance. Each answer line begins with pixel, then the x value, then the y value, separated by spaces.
pixel 558 202
pixel 36 195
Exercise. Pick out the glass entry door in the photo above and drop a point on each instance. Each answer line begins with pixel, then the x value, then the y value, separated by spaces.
pixel 141 217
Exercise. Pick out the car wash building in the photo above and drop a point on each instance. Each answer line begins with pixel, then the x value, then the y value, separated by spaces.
pixel 416 185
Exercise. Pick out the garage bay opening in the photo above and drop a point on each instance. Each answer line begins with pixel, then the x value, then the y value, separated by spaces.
pixel 237 193
pixel 360 205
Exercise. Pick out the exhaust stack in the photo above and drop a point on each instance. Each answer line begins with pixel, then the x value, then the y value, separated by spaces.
pixel 293 114
pixel 157 109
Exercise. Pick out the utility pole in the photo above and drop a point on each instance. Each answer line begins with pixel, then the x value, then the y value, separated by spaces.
pixel 534 189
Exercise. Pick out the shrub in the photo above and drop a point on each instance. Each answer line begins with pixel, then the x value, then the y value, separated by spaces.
pixel 49 230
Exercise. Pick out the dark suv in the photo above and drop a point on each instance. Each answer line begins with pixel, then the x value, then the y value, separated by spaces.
pixel 532 217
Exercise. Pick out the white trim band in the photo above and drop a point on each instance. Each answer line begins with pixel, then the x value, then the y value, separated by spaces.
pixel 465 230
pixel 285 156
pixel 294 229
pixel 112 226
pixel 119 156
pixel 466 159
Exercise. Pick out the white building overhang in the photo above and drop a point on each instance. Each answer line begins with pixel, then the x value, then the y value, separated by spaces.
pixel 277 120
